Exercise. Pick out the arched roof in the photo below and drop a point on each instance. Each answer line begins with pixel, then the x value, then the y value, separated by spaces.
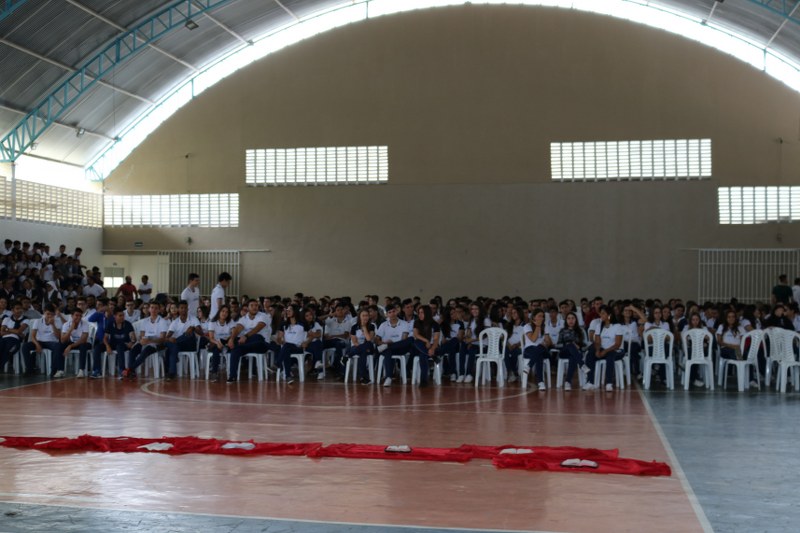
pixel 84 81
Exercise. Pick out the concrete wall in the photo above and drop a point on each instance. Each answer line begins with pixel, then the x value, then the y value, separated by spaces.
pixel 468 100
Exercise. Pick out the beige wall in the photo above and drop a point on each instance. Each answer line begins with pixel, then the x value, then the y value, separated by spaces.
pixel 468 100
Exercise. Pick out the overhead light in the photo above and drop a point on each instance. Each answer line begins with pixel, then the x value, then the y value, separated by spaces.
pixel 79 132
pixel 34 146
pixel 191 25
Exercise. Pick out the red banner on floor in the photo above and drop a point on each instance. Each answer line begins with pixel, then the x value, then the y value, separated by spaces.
pixel 537 458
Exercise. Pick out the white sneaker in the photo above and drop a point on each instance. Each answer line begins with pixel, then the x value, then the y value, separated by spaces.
pixel 584 369
pixel 81 374
pixel 320 376
pixel 753 384
pixel 453 377
pixel 318 365
pixel 512 378
pixel 59 374
pixel 542 386
pixel 588 386
pixel 460 379
pixel 698 383
pixel 387 382
pixel 468 379
pixel 609 387
pixel 568 386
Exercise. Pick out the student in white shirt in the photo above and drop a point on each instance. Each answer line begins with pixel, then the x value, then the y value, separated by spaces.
pixel 337 333
pixel 290 339
pixel 181 337
pixel 218 293
pixel 74 336
pixel 633 321
pixel 362 337
pixel 393 338
pixel 553 323
pixel 313 342
pixel 219 333
pixel 536 344
pixel 608 346
pixel 191 294
pixel 145 289
pixel 251 335
pixel 132 314
pixel 729 336
pixel 152 336
pixel 12 329
pixel 45 335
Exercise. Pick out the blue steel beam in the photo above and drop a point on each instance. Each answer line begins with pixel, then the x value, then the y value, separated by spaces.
pixel 785 8
pixel 9 6
pixel 122 48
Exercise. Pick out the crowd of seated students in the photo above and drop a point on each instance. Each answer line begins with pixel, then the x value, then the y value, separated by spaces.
pixel 438 332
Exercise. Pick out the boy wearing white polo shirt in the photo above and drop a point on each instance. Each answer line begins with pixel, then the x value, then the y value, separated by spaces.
pixel 181 337
pixel 249 336
pixel 191 294
pixel 152 336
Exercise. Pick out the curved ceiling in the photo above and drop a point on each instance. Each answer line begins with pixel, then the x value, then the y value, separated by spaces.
pixel 144 53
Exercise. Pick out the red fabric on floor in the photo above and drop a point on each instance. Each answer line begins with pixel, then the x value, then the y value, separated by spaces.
pixel 566 452
pixel 542 462
pixel 369 451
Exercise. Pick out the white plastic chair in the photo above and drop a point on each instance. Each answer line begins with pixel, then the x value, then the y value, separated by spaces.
pixel 600 373
pixel 416 371
pixel 351 368
pixel 756 341
pixel 521 364
pixel 655 341
pixel 74 355
pixel 402 360
pixel 491 350
pixel 561 372
pixel 772 348
pixel 698 346
pixel 787 360
pixel 188 359
pixel 260 359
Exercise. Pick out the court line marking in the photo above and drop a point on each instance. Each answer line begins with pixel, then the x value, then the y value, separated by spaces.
pixel 245 517
pixel 2 390
pixel 676 466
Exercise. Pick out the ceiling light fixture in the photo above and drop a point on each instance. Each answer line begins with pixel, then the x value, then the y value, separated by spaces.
pixel 191 25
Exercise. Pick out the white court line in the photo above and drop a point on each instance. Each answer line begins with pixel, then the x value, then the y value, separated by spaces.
pixel 676 466
pixel 245 517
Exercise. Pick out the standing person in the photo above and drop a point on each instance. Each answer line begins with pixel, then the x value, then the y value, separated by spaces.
pixel 796 291
pixel 181 337
pixel 782 292
pixel 251 335
pixel 12 330
pixel 191 294
pixel 145 289
pixel 119 337
pixel 218 293
pixel 127 290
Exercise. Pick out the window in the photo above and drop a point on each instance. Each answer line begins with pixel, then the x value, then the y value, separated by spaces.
pixel 5 197
pixel 758 205
pixel 317 166
pixel 203 210
pixel 113 277
pixel 625 160
pixel 47 204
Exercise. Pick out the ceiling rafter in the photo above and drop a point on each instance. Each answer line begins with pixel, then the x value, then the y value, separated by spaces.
pixel 74 127
pixel 291 13
pixel 7 7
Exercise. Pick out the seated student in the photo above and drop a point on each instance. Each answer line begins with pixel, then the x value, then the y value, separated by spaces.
pixel 290 339
pixel 608 346
pixel 793 314
pixel 45 335
pixel 478 321
pixel 219 333
pixel 119 337
pixel 362 337
pixel 452 333
pixel 553 323
pixel 181 337
pixel 103 314
pixel 132 314
pixel 250 335
pixel 392 339
pixel 514 328
pixel 426 341
pixel 695 322
pixel 570 344
pixel 536 344
pixel 12 329
pixel 313 342
pixel 74 336
pixel 778 318
pixel 632 322
pixel 337 332
pixel 729 338
pixel 152 337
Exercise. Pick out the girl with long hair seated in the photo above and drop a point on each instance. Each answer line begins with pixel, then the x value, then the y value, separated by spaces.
pixel 478 322
pixel 608 347
pixel 290 339
pixel 426 341
pixel 362 335
pixel 313 342
pixel 514 328
pixel 571 343
pixel 536 344
pixel 219 331
pixel 452 331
